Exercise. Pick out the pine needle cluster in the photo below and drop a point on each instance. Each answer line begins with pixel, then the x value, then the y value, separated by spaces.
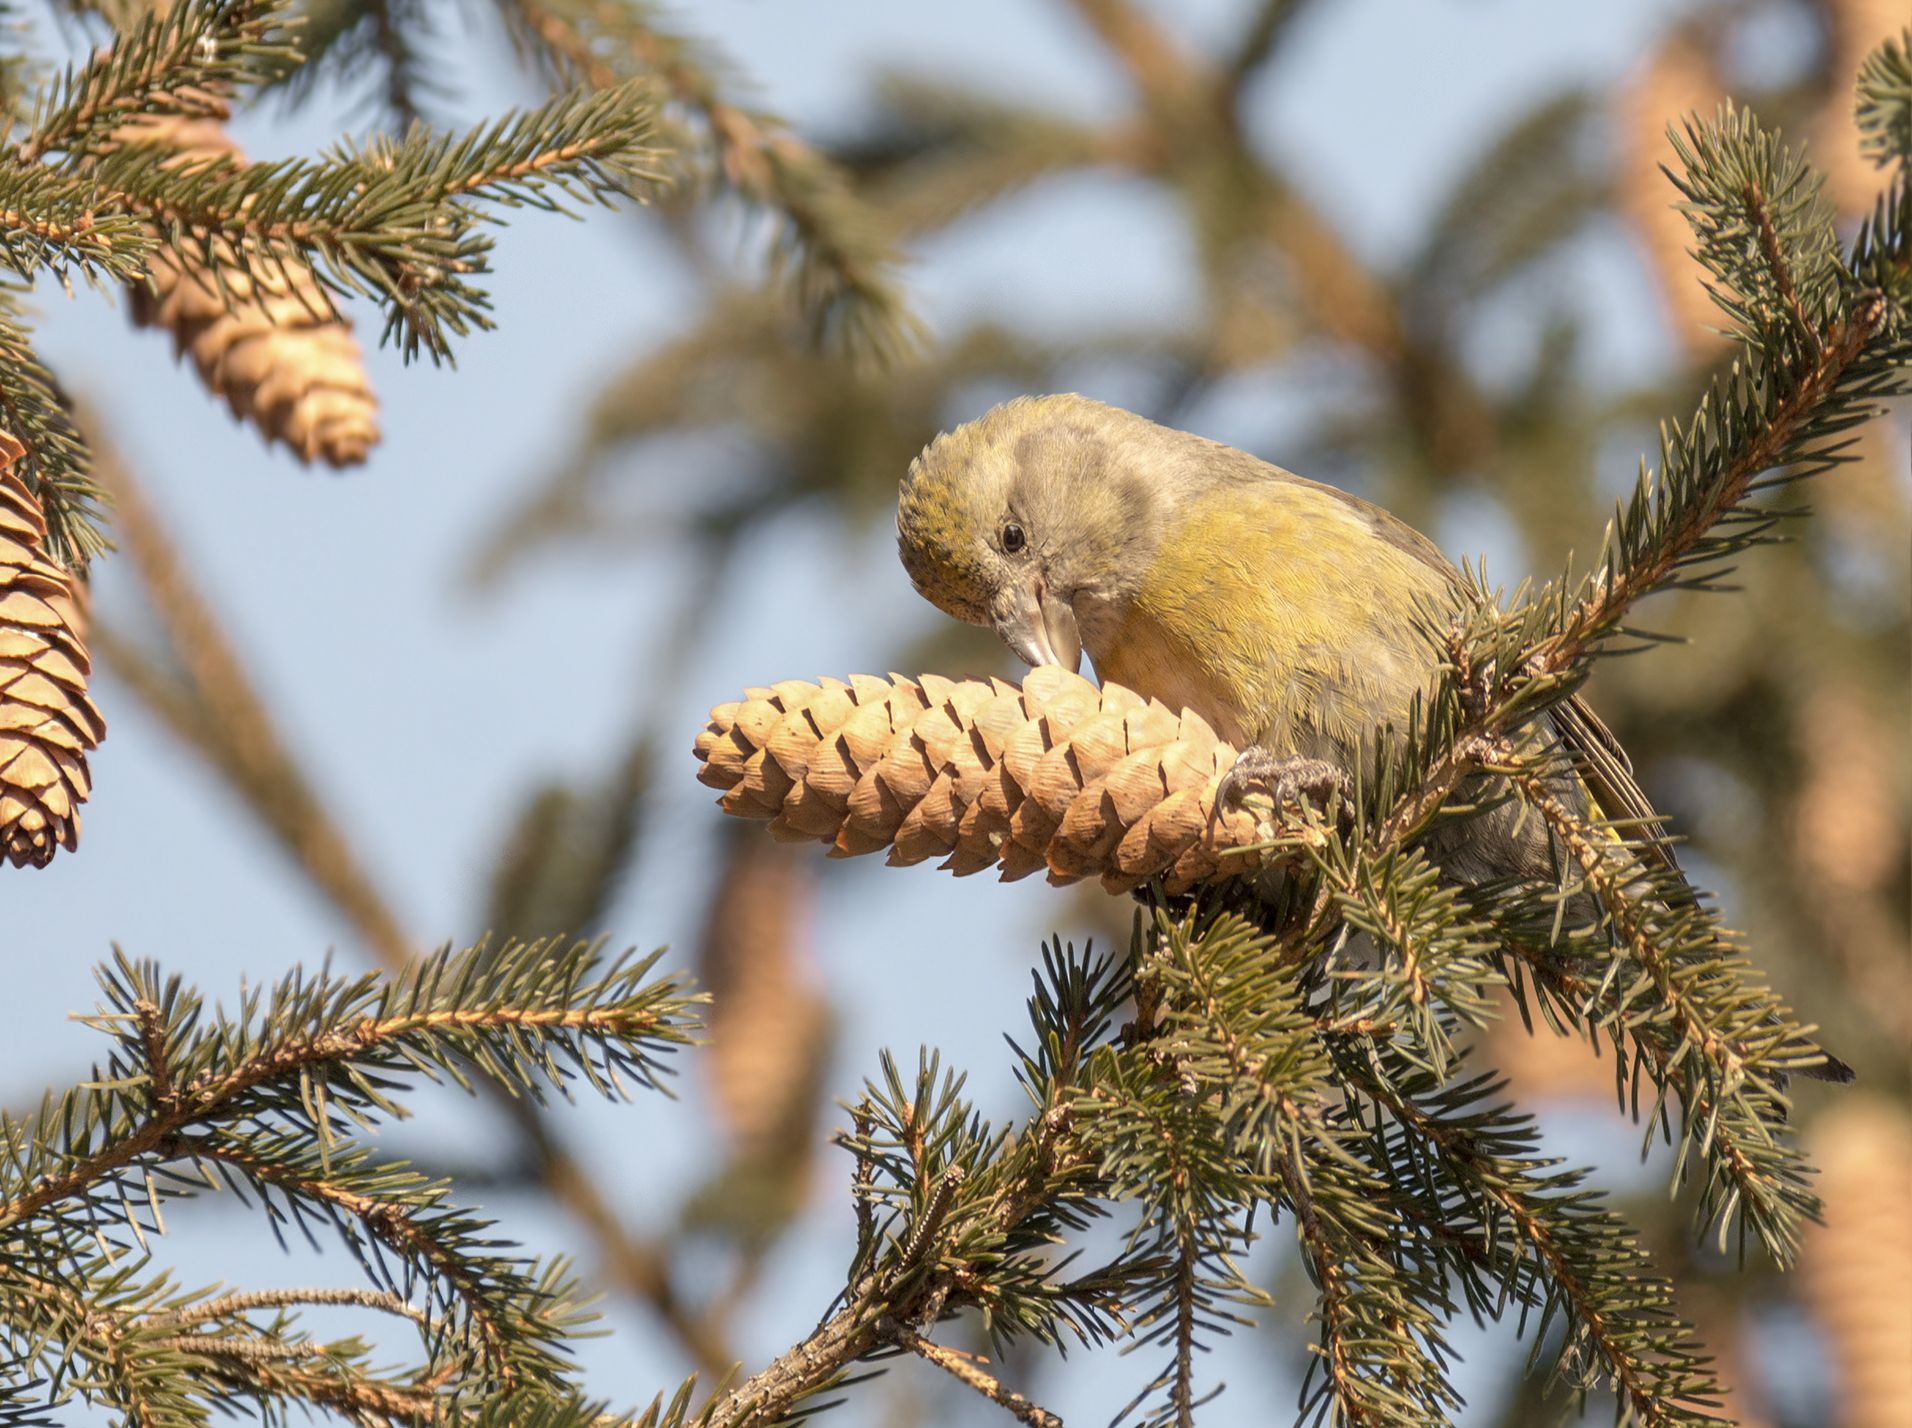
pixel 275 1103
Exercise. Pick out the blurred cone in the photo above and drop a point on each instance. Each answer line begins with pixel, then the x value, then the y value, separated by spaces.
pixel 1677 81
pixel 1546 1065
pixel 1857 27
pixel 264 336
pixel 769 1025
pixel 47 722
pixel 1848 824
pixel 1856 1266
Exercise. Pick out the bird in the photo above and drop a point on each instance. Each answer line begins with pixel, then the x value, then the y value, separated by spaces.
pixel 1289 614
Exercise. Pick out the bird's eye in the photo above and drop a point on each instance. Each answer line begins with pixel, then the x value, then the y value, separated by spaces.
pixel 1013 538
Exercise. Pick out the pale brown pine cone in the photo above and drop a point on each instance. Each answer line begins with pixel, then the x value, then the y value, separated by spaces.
pixel 1678 81
pixel 268 339
pixel 1055 776
pixel 1855 1266
pixel 47 723
pixel 1857 28
pixel 769 1024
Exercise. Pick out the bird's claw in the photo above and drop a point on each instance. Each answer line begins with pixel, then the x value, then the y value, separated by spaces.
pixel 1291 782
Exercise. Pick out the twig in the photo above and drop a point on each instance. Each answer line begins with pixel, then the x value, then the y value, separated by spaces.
pixel 1805 393
pixel 248 1347
pixel 968 1370
pixel 152 1034
pixel 235 1305
pixel 855 1329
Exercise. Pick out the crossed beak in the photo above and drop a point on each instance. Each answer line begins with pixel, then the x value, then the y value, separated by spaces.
pixel 1040 627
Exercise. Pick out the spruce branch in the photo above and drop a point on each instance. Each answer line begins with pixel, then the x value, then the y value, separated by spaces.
pixel 1539 1239
pixel 272 344
pixel 980 1237
pixel 272 1098
pixel 393 220
pixel 1764 232
pixel 832 248
pixel 968 1370
pixel 62 224
pixel 525 1012
pixel 183 60
pixel 56 465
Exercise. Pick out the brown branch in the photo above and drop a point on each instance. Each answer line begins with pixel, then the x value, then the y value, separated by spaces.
pixel 248 1347
pixel 968 1370
pixel 1700 1105
pixel 205 1096
pixel 389 1223
pixel 82 236
pixel 358 1397
pixel 857 1328
pixel 1341 1368
pixel 1769 247
pixel 1728 1056
pixel 152 1035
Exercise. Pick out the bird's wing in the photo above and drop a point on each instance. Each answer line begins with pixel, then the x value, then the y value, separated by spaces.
pixel 1608 774
pixel 1384 524
pixel 1604 765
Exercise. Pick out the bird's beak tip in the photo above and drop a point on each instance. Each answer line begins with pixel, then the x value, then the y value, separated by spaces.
pixel 1041 629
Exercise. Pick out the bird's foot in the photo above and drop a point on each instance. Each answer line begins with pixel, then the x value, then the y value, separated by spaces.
pixel 1291 782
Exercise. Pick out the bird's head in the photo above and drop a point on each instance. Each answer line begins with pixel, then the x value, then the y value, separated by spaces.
pixel 1030 516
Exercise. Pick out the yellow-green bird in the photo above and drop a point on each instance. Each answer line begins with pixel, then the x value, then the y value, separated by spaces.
pixel 1282 611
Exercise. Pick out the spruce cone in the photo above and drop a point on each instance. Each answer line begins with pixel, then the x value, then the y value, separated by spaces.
pixel 1857 27
pixel 769 1024
pixel 1679 79
pixel 47 723
pixel 268 340
pixel 1055 775
pixel 1855 1264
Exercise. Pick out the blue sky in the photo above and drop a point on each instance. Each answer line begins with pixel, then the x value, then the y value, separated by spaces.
pixel 427 714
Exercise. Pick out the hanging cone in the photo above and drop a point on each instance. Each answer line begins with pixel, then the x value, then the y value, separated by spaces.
pixel 47 723
pixel 1855 1263
pixel 267 339
pixel 1856 28
pixel 1056 776
pixel 1678 80
pixel 769 1023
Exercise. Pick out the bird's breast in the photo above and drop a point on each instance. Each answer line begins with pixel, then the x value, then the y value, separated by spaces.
pixel 1282 627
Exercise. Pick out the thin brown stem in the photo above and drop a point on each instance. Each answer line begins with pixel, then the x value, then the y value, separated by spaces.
pixel 968 1370
pixel 1769 247
pixel 233 1306
pixel 1343 1370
